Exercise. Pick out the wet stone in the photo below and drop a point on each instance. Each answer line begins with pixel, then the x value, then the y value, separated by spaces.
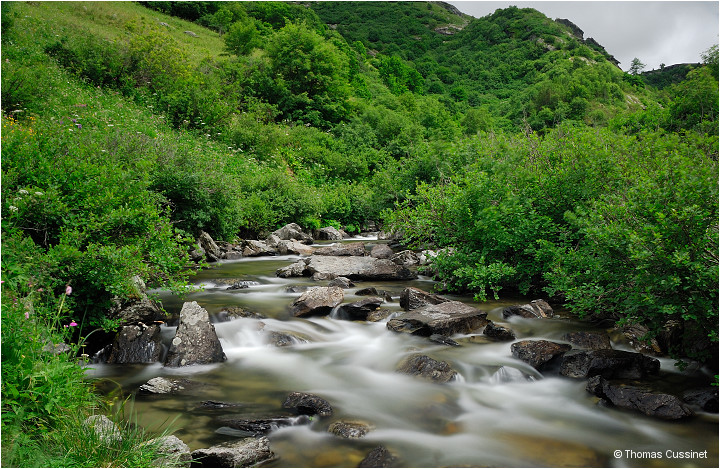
pixel 351 429
pixel 308 404
pixel 538 353
pixel 427 368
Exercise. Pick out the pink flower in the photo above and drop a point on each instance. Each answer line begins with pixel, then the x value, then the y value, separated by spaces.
pixel 68 289
pixel 40 289
pixel 27 314
pixel 73 324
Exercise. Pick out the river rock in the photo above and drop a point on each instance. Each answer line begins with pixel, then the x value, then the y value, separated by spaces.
pixel 344 249
pixel 635 335
pixel 317 301
pixel 654 404
pixel 235 312
pixel 427 368
pixel 212 251
pixel 296 269
pixel 381 251
pixel 137 344
pixel 379 456
pixel 446 319
pixel 588 340
pixel 258 426
pixel 406 258
pixel 308 404
pixel 358 268
pixel 135 311
pixel 351 429
pixel 175 452
pixel 105 429
pixel 359 310
pixel 378 315
pixel 195 341
pixel 372 291
pixel 242 453
pixel 293 231
pixel 255 248
pixel 609 364
pixel 283 339
pixel 342 282
pixel 535 309
pixel 413 298
pixel 704 398
pixel 294 247
pixel 329 233
pixel 161 385
pixel 538 353
pixel 499 332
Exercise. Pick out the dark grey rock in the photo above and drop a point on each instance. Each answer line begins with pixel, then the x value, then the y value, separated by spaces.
pixel 588 340
pixel 446 319
pixel 359 310
pixel 254 248
pixel 283 339
pixel 369 291
pixel 378 315
pixel 704 398
pixel 413 298
pixel 379 457
pixel 535 309
pixel 246 452
pixel 381 251
pixel 293 231
pixel 538 353
pixel 234 312
pixel 342 282
pixel 351 429
pixel 499 332
pixel 609 364
pixel 212 251
pixel 256 426
pixel 653 404
pixel 135 311
pixel 308 404
pixel 427 368
pixel 329 233
pixel 195 341
pixel 137 344
pixel 406 258
pixel 317 301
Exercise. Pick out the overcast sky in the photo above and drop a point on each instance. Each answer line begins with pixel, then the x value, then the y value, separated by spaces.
pixel 655 32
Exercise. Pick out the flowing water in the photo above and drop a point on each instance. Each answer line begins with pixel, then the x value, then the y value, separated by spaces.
pixel 500 413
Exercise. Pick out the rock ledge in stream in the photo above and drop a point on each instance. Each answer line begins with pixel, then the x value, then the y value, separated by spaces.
pixel 445 319
pixel 317 301
pixel 195 341
pixel 243 453
pixel 352 267
pixel 609 364
pixel 653 404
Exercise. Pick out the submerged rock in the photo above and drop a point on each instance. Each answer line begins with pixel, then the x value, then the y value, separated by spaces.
pixel 427 368
pixel 446 319
pixel 538 353
pixel 351 429
pixel 609 364
pixel 535 309
pixel 242 453
pixel 653 404
pixel 257 426
pixel 195 341
pixel 342 282
pixel 317 301
pixel 160 385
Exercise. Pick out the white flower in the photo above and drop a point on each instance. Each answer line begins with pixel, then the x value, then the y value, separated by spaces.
pixel 13 208
pixel 38 193
pixel 23 192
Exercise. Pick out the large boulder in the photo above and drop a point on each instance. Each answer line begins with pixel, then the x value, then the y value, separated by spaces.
pixel 538 353
pixel 445 319
pixel 207 244
pixel 308 404
pixel 329 233
pixel 293 247
pixel 535 309
pixel 358 268
pixel 137 344
pixel 498 332
pixel 241 453
pixel 588 340
pixel 195 341
pixel 381 251
pixel 317 301
pixel 414 298
pixel 342 249
pixel 359 310
pixel 609 364
pixel 427 368
pixel 296 269
pixel 654 404
pixel 293 231
pixel 254 248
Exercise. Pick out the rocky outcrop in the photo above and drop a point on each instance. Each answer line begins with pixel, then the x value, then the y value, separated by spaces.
pixel 413 298
pixel 609 364
pixel 538 353
pixel 588 340
pixel 498 332
pixel 352 429
pixel 308 404
pixel 329 233
pixel 654 404
pixel 344 249
pixel 137 344
pixel 293 231
pixel 254 248
pixel 427 368
pixel 317 301
pixel 208 245
pixel 195 341
pixel 535 309
pixel 359 310
pixel 445 319
pixel 242 453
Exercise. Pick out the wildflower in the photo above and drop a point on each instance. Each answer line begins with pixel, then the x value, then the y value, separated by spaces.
pixel 27 314
pixel 40 290
pixel 38 193
pixel 72 324
pixel 23 192
pixel 79 126
pixel 68 289
pixel 13 208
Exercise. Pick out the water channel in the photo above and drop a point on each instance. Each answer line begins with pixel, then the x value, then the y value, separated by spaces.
pixel 500 413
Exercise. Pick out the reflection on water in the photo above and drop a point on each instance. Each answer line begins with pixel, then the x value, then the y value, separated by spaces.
pixel 500 413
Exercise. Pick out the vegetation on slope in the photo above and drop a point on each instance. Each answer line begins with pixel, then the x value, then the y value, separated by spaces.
pixel 126 131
